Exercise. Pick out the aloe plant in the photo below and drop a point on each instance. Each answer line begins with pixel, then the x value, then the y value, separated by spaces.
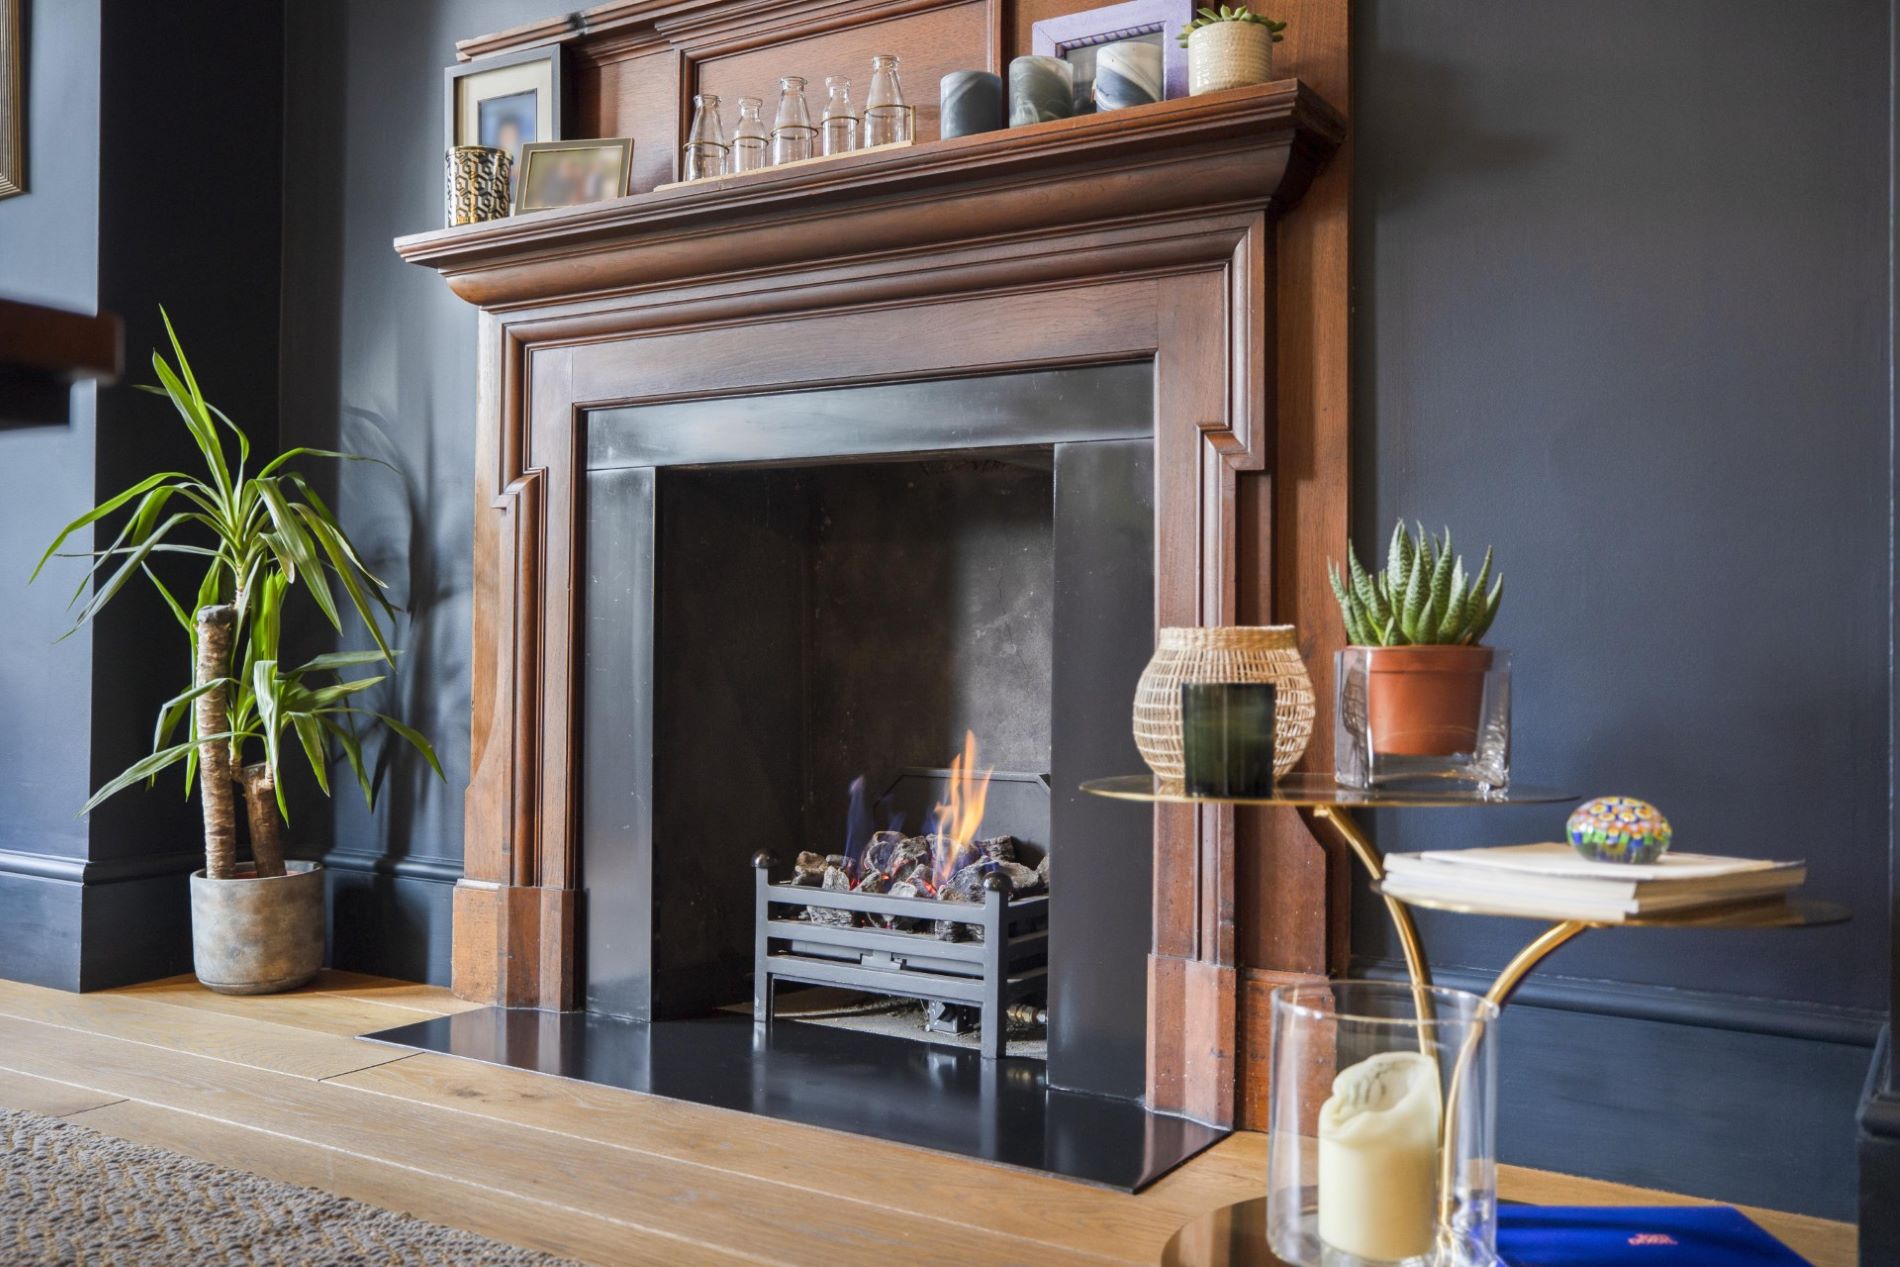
pixel 1423 597
pixel 261 536
pixel 1208 17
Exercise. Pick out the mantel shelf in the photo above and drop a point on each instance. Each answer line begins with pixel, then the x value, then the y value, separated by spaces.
pixel 1196 153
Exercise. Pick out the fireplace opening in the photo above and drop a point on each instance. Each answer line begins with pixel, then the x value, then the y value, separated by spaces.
pixel 788 590
pixel 852 685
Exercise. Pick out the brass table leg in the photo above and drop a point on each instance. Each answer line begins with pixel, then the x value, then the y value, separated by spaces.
pixel 1507 981
pixel 1532 955
pixel 1369 857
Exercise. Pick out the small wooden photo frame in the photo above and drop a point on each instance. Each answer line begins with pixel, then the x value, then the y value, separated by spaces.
pixel 570 173
pixel 1074 37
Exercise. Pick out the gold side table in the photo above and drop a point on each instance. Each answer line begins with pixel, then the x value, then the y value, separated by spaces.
pixel 1236 1235
pixel 1330 804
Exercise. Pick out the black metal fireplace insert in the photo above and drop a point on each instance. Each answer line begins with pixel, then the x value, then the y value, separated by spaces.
pixel 993 954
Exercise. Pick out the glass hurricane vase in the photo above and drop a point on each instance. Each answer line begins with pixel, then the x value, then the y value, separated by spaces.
pixel 1382 1127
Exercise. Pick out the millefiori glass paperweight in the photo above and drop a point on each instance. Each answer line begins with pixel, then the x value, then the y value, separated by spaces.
pixel 1382 1127
pixel 1422 714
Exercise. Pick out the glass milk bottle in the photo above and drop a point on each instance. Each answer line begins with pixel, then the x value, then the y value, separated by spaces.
pixel 840 133
pixel 793 136
pixel 887 120
pixel 705 150
pixel 751 143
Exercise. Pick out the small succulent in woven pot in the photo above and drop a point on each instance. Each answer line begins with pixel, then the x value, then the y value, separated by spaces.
pixel 1424 617
pixel 1222 653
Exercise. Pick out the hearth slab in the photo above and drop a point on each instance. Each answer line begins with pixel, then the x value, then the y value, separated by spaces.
pixel 1000 1111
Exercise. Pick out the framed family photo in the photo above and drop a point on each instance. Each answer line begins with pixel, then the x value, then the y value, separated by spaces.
pixel 504 102
pixel 569 173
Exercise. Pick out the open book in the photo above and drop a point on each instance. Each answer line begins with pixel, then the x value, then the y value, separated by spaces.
pixel 1555 881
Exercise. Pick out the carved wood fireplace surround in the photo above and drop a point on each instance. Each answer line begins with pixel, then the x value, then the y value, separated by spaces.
pixel 1162 234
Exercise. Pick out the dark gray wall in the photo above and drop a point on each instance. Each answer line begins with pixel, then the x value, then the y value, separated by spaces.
pixel 48 255
pixel 1621 310
pixel 127 206
pixel 379 358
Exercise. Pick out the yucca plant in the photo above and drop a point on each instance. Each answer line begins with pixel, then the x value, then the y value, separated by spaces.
pixel 1208 17
pixel 1424 596
pixel 261 536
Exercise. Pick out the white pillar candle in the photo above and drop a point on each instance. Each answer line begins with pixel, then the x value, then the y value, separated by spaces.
pixel 1378 1157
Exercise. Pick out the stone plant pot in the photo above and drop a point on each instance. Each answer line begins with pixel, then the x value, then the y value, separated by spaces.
pixel 252 936
pixel 1425 701
pixel 1228 55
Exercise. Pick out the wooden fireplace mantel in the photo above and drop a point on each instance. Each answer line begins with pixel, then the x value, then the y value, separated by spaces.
pixel 1247 146
pixel 1150 233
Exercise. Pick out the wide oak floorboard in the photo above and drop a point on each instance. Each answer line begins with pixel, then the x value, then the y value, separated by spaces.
pixel 276 1085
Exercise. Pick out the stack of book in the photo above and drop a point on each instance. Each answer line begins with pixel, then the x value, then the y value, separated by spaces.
pixel 1555 882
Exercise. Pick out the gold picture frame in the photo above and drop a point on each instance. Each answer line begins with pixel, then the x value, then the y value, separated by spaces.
pixel 571 173
pixel 12 102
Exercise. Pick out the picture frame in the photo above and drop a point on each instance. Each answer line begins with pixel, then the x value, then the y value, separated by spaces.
pixel 1074 37
pixel 506 101
pixel 572 173
pixel 12 100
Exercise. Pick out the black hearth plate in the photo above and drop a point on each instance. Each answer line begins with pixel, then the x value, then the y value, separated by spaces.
pixel 934 1097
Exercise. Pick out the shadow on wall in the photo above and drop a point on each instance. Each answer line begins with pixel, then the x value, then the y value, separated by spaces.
pixel 1466 141
pixel 378 359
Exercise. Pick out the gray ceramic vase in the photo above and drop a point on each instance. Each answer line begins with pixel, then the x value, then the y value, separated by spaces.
pixel 1040 88
pixel 971 101
pixel 1127 73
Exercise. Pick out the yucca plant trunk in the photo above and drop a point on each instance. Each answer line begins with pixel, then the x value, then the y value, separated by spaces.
pixel 267 825
pixel 215 624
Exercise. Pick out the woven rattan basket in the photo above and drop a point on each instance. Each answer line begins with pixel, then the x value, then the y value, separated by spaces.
pixel 1227 653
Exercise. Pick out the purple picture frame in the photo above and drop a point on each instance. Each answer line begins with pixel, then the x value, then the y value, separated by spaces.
pixel 1054 37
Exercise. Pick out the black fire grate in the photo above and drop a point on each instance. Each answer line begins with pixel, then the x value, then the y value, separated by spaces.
pixel 995 952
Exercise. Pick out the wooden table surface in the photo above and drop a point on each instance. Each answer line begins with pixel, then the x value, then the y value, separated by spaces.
pixel 279 1086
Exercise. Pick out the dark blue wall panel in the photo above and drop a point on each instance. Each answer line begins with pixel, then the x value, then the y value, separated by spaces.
pixel 1621 310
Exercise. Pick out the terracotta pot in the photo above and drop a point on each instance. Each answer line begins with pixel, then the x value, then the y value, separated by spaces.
pixel 1228 55
pixel 252 936
pixel 1425 701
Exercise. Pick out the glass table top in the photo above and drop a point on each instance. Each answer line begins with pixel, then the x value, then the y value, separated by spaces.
pixel 1319 791
pixel 1778 912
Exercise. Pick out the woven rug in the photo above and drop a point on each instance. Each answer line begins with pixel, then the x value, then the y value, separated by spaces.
pixel 71 1195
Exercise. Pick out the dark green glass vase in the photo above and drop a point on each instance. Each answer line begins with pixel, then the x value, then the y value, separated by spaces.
pixel 1227 738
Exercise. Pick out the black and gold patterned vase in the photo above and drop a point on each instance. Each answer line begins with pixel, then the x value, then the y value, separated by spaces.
pixel 477 184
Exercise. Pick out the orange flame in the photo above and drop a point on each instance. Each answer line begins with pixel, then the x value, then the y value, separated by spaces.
pixel 959 820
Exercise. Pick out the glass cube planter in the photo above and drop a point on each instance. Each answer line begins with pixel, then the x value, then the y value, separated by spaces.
pixel 1422 715
pixel 1382 1128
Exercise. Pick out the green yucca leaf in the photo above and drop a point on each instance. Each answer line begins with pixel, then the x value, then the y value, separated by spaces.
pixel 261 538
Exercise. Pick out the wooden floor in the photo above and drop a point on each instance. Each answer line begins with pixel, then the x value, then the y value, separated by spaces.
pixel 277 1085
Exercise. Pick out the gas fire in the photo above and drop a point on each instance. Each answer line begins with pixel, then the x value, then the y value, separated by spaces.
pixel 953 834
